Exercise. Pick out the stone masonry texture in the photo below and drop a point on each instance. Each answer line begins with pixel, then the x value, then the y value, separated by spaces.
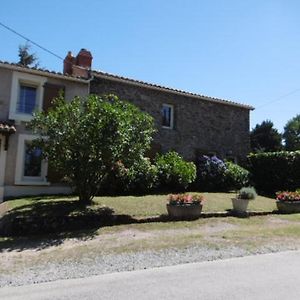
pixel 200 126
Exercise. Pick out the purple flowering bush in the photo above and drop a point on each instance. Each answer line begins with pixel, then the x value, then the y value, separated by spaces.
pixel 213 174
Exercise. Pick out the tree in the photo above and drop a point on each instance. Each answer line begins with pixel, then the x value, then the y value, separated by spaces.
pixel 25 58
pixel 265 138
pixel 87 138
pixel 291 134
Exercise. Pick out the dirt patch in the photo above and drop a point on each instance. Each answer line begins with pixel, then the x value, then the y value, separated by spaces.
pixel 218 227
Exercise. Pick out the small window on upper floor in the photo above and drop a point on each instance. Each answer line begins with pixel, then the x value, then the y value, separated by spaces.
pixel 26 96
pixel 168 116
pixel 26 103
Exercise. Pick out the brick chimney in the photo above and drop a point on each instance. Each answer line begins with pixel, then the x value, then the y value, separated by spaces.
pixel 79 66
pixel 69 61
pixel 84 59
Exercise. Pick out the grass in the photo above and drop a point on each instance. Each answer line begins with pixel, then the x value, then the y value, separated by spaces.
pixel 135 206
pixel 254 234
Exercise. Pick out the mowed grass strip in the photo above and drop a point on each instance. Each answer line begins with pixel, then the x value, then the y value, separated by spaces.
pixel 136 206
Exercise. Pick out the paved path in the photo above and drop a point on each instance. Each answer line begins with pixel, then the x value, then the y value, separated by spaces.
pixel 268 276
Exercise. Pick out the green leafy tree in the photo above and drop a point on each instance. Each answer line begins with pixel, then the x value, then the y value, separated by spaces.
pixel 291 134
pixel 265 138
pixel 25 58
pixel 86 138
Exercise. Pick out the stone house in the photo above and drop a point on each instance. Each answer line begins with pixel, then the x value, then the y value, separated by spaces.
pixel 188 123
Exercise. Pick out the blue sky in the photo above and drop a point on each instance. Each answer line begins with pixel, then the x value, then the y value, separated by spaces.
pixel 246 51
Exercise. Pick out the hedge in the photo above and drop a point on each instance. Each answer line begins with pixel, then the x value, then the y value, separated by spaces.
pixel 275 171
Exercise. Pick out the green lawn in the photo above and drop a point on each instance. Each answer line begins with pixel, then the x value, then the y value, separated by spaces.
pixel 253 234
pixel 135 206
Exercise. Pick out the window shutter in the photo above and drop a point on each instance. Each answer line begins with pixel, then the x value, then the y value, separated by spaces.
pixel 51 91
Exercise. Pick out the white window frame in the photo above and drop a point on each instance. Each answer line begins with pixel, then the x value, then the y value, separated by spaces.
pixel 171 116
pixel 20 179
pixel 25 79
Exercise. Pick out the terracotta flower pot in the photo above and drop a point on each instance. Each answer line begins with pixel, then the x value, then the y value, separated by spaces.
pixel 184 211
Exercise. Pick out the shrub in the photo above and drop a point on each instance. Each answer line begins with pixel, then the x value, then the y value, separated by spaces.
pixel 235 176
pixel 139 178
pixel 142 177
pixel 247 193
pixel 173 172
pixel 213 174
pixel 276 171
pixel 210 173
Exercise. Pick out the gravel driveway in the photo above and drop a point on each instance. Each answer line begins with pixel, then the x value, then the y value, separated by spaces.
pixel 101 264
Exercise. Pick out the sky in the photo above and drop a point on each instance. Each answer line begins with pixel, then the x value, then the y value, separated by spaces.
pixel 245 51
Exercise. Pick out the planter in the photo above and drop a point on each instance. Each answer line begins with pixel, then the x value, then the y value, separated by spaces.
pixel 288 207
pixel 240 205
pixel 184 211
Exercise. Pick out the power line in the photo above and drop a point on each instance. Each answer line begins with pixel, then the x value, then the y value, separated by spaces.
pixel 31 41
pixel 279 98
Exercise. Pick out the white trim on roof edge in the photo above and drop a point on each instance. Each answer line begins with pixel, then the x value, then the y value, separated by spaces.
pixel 41 72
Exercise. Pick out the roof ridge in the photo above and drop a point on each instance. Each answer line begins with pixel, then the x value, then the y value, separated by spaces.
pixel 186 93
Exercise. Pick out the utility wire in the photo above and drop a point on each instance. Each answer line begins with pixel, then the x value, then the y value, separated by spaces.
pixel 279 98
pixel 31 41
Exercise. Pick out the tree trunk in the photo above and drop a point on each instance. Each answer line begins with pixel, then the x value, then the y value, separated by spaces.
pixel 85 198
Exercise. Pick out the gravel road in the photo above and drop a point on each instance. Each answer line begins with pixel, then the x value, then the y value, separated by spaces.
pixel 100 264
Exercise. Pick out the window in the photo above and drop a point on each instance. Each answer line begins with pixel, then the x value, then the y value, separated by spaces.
pixel 26 96
pixel 167 116
pixel 31 169
pixel 27 99
pixel 32 161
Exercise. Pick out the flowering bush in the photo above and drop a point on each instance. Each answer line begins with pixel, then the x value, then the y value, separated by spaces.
pixel 185 199
pixel 213 174
pixel 210 173
pixel 288 196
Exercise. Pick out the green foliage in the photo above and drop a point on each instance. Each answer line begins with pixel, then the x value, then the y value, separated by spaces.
pixel 25 58
pixel 210 173
pixel 247 193
pixel 276 171
pixel 235 176
pixel 265 138
pixel 173 172
pixel 213 174
pixel 87 137
pixel 139 178
pixel 291 134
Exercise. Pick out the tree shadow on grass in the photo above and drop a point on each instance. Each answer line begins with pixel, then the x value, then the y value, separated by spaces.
pixel 42 224
pixel 46 223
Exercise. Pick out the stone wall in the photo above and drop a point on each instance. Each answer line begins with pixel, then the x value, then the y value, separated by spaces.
pixel 200 126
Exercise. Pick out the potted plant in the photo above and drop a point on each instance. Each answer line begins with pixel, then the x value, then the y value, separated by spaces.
pixel 288 202
pixel 240 203
pixel 185 206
